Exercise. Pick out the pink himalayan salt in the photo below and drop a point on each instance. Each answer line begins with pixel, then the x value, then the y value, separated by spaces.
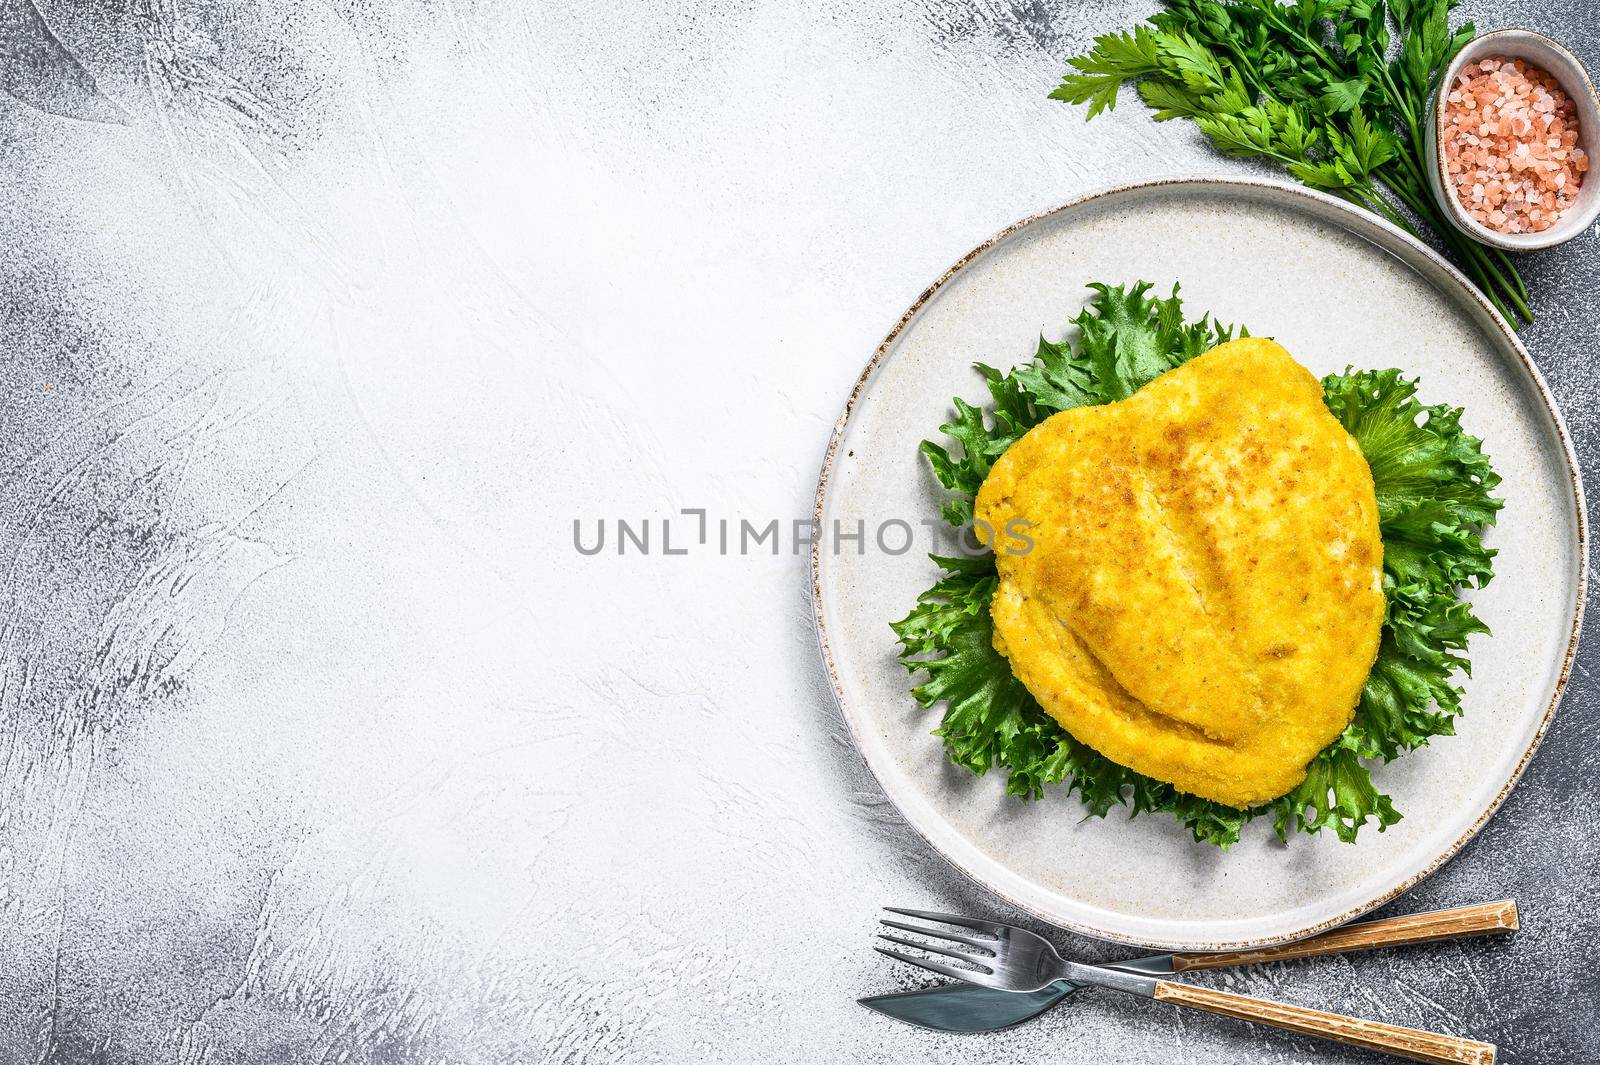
pixel 1510 140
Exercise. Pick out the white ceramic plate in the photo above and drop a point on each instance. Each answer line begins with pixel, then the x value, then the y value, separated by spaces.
pixel 1337 287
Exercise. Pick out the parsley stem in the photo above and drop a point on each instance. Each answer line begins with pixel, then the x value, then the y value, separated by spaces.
pixel 1511 272
pixel 1489 272
pixel 1504 278
pixel 1470 249
pixel 1401 102
pixel 1472 256
pixel 1372 199
pixel 1241 63
pixel 1414 169
pixel 1410 110
pixel 1368 195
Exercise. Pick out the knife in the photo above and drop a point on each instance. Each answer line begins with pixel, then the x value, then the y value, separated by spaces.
pixel 969 1008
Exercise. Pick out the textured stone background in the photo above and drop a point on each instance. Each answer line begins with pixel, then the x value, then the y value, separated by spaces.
pixel 322 321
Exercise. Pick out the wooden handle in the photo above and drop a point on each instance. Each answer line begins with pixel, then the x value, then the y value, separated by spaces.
pixel 1406 1042
pixel 1482 919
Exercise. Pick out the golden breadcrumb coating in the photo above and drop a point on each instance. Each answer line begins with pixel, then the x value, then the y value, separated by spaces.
pixel 1203 598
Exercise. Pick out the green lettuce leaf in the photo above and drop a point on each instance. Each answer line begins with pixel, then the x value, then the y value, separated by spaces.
pixel 1434 488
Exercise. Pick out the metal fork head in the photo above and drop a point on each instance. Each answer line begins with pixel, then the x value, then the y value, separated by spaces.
pixel 1001 956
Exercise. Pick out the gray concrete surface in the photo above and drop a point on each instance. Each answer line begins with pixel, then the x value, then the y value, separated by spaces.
pixel 321 324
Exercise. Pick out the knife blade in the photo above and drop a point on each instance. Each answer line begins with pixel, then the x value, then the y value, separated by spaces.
pixel 969 1008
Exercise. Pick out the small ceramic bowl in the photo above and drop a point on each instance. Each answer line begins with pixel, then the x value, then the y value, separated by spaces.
pixel 1562 65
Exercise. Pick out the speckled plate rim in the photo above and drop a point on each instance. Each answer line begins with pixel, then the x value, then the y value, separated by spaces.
pixel 1376 231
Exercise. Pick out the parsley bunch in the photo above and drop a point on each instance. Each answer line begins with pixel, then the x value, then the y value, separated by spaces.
pixel 1324 88
pixel 1433 489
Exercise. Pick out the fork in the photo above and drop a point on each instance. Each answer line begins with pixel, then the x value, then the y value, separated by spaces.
pixel 1008 958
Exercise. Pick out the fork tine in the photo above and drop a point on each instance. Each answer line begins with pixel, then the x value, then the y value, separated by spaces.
pixel 931 949
pixel 949 918
pixel 971 976
pixel 939 933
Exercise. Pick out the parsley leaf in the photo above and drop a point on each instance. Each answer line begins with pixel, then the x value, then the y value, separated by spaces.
pixel 1116 57
pixel 1434 488
pixel 1342 96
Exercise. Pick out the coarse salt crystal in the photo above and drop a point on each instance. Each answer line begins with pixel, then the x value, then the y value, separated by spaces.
pixel 1509 136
